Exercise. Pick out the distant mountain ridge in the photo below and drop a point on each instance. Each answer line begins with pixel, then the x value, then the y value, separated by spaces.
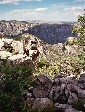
pixel 51 33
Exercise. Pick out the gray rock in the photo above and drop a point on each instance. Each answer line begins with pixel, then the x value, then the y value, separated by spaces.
pixel 63 86
pixel 54 93
pixel 40 91
pixel 71 110
pixel 67 80
pixel 41 103
pixel 82 78
pixel 45 80
pixel 81 85
pixel 62 107
pixel 69 87
pixel 57 81
pixel 72 98
pixel 81 93
pixel 65 96
pixel 66 92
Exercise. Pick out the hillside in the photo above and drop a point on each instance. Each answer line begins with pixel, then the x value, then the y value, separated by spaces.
pixel 51 33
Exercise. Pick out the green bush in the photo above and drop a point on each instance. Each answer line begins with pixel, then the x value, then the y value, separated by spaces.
pixel 80 30
pixel 13 79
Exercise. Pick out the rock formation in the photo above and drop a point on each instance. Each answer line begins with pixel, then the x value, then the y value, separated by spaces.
pixel 19 51
pixel 63 93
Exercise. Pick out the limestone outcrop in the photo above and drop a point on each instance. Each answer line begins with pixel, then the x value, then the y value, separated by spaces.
pixel 29 48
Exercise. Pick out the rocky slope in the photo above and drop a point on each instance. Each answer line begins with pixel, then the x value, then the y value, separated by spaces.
pixel 62 94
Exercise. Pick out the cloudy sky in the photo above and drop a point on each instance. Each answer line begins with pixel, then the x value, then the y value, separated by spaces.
pixel 47 10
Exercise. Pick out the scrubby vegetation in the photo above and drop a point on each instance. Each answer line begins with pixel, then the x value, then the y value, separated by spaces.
pixel 13 79
pixel 58 61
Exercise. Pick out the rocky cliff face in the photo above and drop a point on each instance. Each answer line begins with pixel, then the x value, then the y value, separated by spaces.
pixel 49 33
pixel 14 28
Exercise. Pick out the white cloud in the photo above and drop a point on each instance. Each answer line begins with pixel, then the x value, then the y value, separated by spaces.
pixel 79 0
pixel 77 14
pixel 40 9
pixel 30 14
pixel 74 8
pixel 15 1
pixel 21 15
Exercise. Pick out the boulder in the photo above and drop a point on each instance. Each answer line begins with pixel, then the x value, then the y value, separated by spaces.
pixel 70 109
pixel 40 91
pixel 17 47
pixel 18 58
pixel 5 54
pixel 55 92
pixel 41 103
pixel 33 54
pixel 45 80
pixel 61 107
pixel 66 80
pixel 66 94
pixel 72 99
pixel 82 77
pixel 8 41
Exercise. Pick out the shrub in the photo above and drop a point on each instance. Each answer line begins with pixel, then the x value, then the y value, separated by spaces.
pixel 13 79
pixel 80 29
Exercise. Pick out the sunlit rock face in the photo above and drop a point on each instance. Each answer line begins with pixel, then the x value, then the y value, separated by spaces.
pixel 5 54
pixel 29 48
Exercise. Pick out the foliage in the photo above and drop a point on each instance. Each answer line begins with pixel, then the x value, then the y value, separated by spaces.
pixel 13 79
pixel 74 41
pixel 58 62
pixel 80 29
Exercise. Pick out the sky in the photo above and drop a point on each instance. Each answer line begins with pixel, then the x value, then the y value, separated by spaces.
pixel 47 10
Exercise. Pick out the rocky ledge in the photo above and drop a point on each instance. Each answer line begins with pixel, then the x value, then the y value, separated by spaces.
pixel 29 48
pixel 61 94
